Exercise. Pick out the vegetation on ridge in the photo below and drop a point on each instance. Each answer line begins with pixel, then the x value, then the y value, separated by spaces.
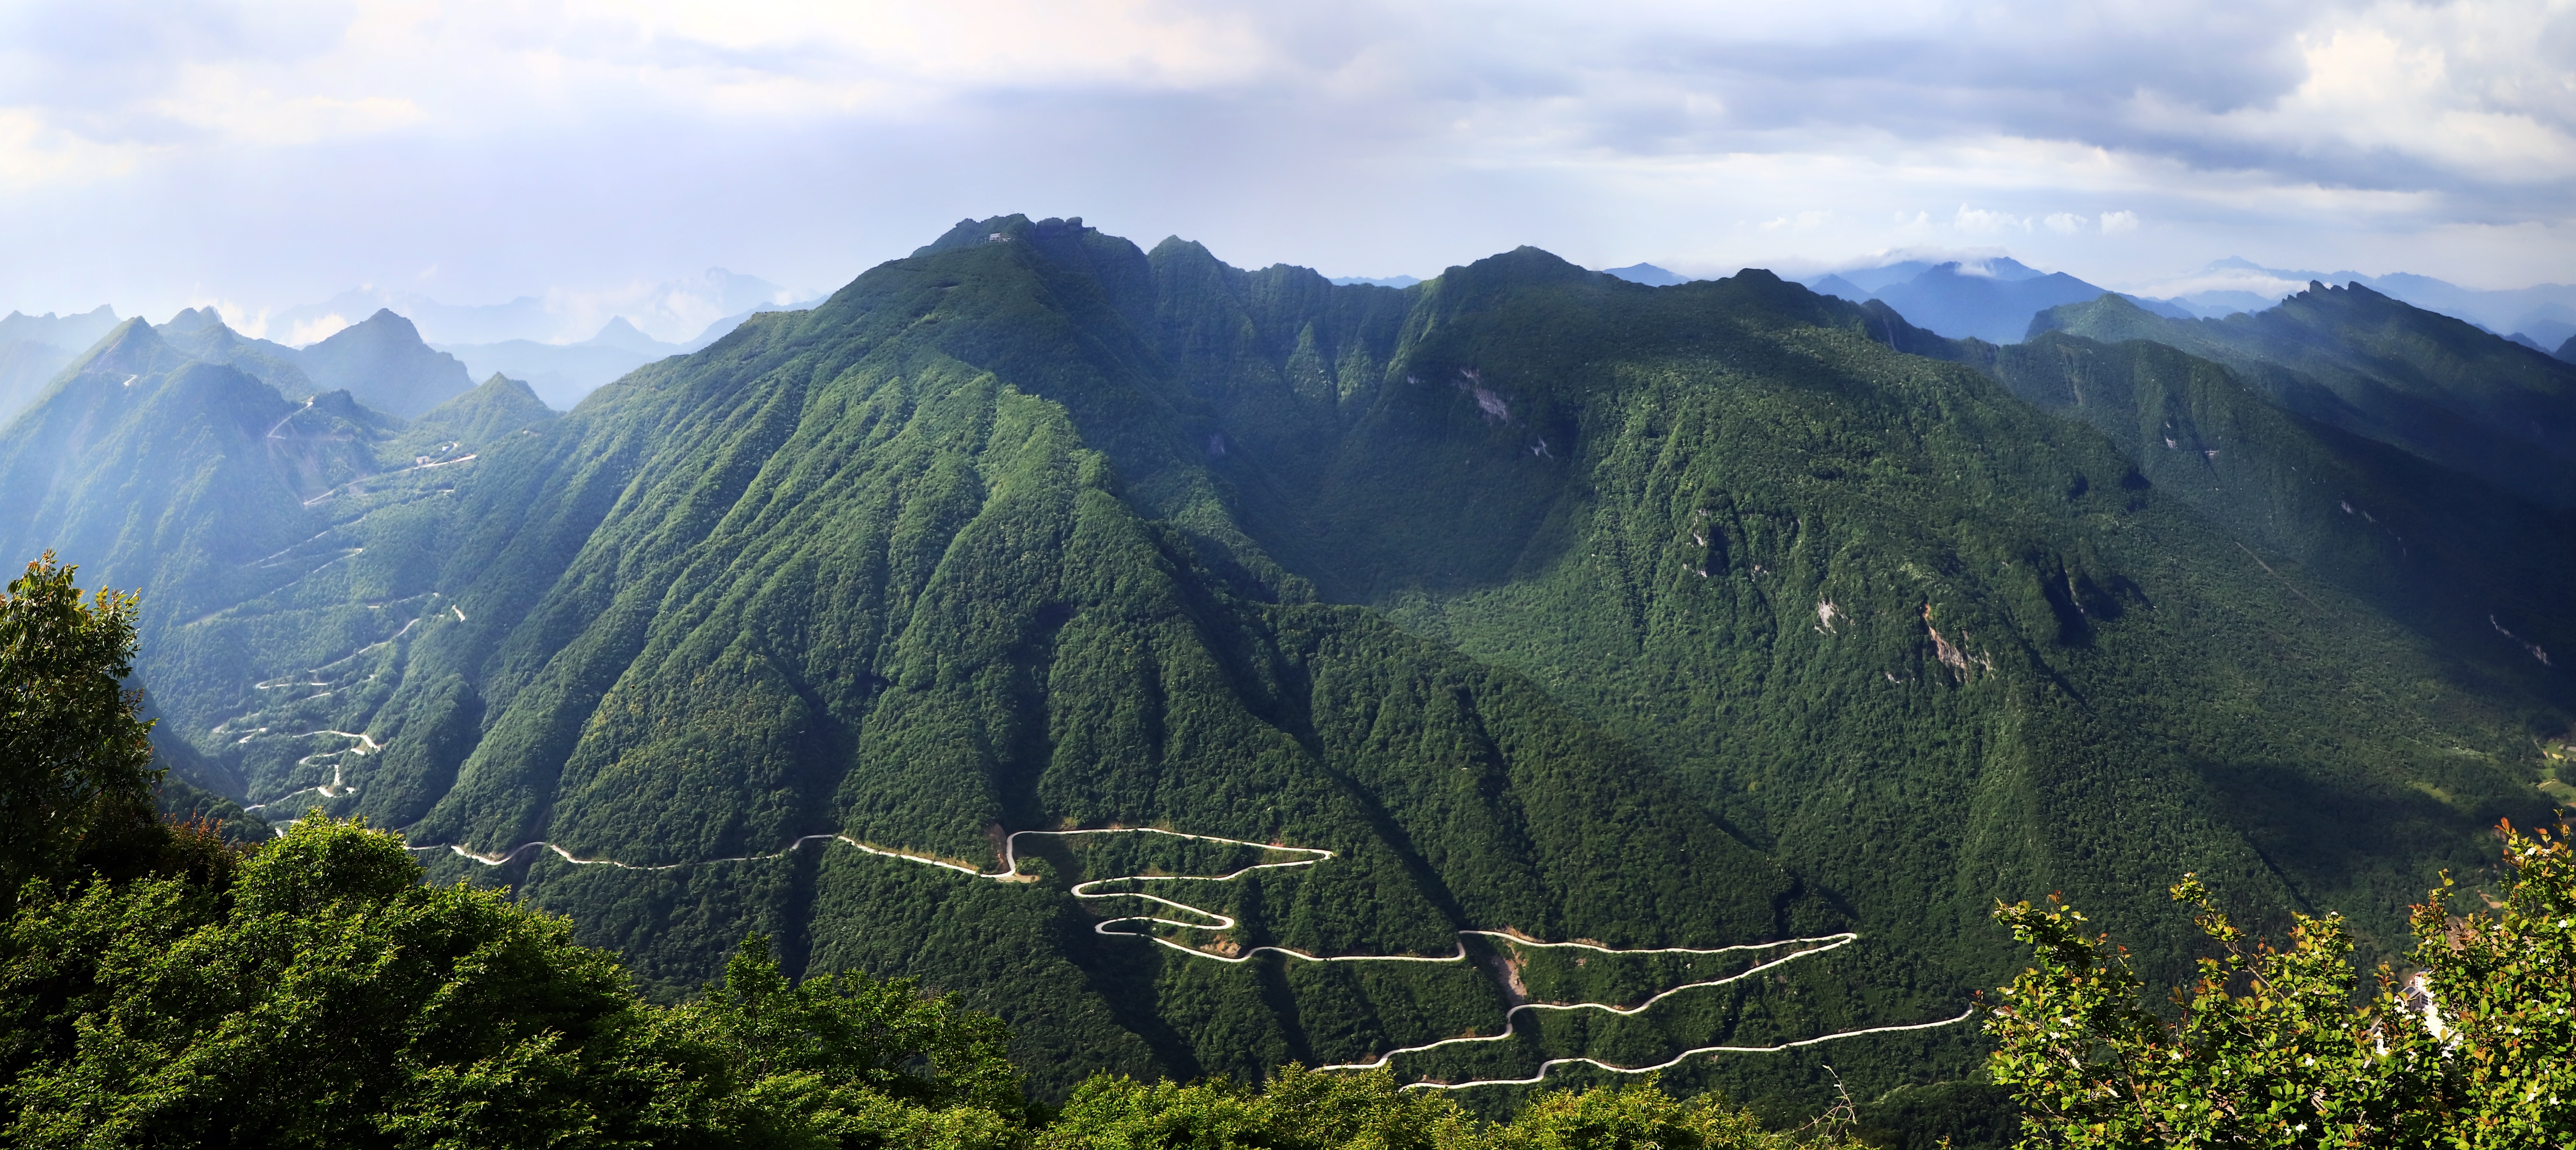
pixel 1698 615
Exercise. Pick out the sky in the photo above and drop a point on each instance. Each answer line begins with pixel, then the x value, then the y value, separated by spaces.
pixel 265 155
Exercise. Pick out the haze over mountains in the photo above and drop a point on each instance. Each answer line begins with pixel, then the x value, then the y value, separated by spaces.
pixel 1713 614
pixel 33 348
pixel 563 373
pixel 674 311
pixel 1992 298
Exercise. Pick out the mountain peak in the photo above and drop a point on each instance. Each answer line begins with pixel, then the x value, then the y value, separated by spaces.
pixel 383 362
pixel 193 319
pixel 132 348
pixel 622 334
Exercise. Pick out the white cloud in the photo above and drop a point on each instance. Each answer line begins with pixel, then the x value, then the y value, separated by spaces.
pixel 35 153
pixel 1978 221
pixel 1802 222
pixel 314 330
pixel 581 141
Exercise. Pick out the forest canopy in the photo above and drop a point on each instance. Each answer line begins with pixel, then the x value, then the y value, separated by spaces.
pixel 160 986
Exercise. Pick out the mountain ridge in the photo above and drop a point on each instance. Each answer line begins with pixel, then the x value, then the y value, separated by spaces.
pixel 1697 615
pixel 2435 385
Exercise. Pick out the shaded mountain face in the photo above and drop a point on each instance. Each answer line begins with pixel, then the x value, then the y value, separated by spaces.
pixel 383 362
pixel 2448 556
pixel 1694 616
pixel 2352 358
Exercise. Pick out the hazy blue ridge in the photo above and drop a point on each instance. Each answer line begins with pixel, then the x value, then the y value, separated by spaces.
pixel 33 348
pixel 1962 305
pixel 1647 274
pixel 1992 301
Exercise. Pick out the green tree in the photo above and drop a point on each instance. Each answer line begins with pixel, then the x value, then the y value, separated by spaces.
pixel 854 1061
pixel 1641 1116
pixel 1297 1109
pixel 324 997
pixel 1305 1110
pixel 2276 1047
pixel 75 751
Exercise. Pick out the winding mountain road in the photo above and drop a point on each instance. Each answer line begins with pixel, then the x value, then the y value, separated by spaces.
pixel 1212 920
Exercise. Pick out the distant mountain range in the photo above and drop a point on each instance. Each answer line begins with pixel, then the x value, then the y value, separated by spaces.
pixel 2543 314
pixel 1383 281
pixel 34 347
pixel 562 373
pixel 1992 299
pixel 380 361
pixel 1979 297
pixel 1647 274
pixel 672 311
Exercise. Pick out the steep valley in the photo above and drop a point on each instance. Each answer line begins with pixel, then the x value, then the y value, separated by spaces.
pixel 1520 608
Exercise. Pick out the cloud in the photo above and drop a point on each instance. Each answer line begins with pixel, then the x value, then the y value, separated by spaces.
pixel 1978 221
pixel 521 146
pixel 313 330
pixel 1803 221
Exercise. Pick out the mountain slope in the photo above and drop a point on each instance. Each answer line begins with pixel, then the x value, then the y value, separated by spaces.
pixel 169 474
pixel 2355 359
pixel 858 570
pixel 1558 459
pixel 1694 616
pixel 501 406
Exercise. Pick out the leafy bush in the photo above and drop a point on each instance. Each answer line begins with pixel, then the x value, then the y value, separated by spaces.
pixel 2274 1048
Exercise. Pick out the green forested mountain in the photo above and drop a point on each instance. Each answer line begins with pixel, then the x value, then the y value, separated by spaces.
pixel 1550 604
pixel 2349 357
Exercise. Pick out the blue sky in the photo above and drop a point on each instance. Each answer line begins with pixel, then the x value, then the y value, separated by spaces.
pixel 264 155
